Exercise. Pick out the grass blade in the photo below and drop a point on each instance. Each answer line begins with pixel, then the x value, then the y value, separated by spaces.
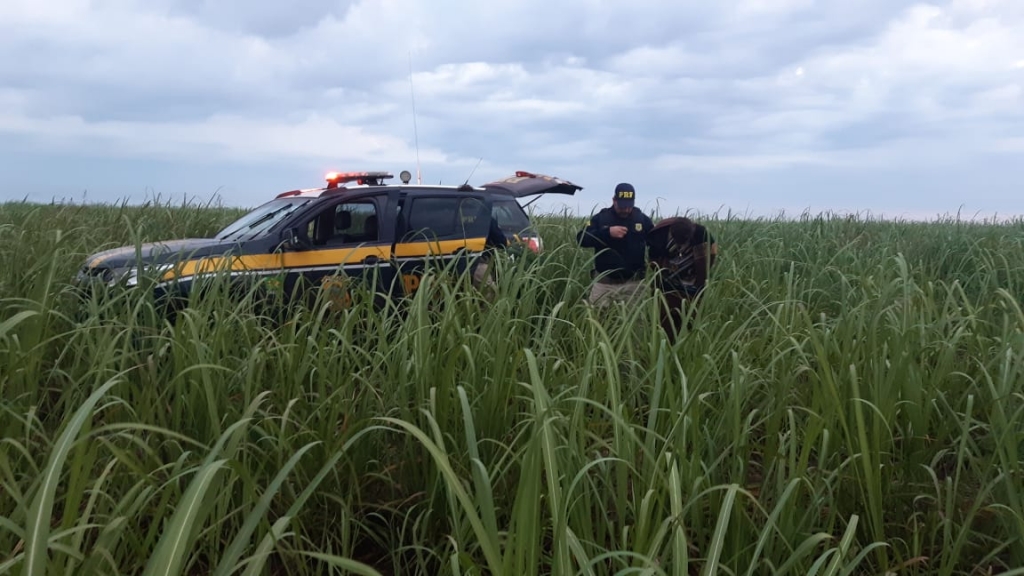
pixel 721 527
pixel 40 513
pixel 171 551
pixel 344 563
pixel 234 550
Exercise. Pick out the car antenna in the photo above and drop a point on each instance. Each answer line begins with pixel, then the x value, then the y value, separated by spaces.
pixel 473 171
pixel 415 129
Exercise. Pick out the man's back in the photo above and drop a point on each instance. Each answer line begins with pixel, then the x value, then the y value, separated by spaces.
pixel 684 250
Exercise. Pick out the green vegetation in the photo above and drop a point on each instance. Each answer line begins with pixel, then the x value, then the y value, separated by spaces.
pixel 848 402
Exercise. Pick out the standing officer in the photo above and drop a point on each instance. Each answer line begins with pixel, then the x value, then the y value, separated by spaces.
pixel 619 235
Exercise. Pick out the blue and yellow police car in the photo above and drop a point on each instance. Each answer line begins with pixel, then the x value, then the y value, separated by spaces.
pixel 357 226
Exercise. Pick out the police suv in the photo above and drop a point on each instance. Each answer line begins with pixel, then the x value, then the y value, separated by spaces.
pixel 355 227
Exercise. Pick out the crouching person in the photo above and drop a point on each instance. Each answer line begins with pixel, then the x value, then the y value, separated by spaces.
pixel 483 270
pixel 683 252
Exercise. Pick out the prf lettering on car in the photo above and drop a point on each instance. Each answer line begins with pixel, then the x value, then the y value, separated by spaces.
pixel 411 283
pixel 336 290
pixel 355 230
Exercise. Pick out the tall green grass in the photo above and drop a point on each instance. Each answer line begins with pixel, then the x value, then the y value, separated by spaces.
pixel 848 401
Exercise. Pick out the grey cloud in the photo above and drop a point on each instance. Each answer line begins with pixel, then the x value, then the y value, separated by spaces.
pixel 270 20
pixel 655 87
pixel 355 46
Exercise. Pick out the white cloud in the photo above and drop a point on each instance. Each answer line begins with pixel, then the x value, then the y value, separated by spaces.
pixel 657 61
pixel 1009 145
pixel 925 44
pixel 727 163
pixel 775 7
pixel 898 153
pixel 1004 100
pixel 739 86
pixel 451 79
pixel 223 136
pixel 29 12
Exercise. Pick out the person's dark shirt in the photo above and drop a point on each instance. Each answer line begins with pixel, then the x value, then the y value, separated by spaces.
pixel 618 258
pixel 496 238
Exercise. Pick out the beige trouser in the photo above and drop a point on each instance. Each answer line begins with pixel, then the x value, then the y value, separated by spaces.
pixel 480 273
pixel 603 294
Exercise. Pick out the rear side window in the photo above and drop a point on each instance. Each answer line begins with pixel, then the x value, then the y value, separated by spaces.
pixel 510 216
pixel 447 218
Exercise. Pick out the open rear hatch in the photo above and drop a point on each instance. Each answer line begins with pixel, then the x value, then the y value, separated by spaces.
pixel 510 215
pixel 529 184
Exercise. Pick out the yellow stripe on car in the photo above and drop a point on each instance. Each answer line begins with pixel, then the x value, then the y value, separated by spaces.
pixel 254 262
pixel 440 247
pixel 312 258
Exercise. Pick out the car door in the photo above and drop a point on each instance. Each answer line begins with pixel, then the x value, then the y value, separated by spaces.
pixel 343 241
pixel 439 231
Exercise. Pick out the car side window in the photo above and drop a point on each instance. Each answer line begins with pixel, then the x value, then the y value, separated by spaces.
pixel 355 222
pixel 510 216
pixel 446 218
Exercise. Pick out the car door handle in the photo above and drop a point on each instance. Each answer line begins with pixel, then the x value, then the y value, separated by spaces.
pixel 371 260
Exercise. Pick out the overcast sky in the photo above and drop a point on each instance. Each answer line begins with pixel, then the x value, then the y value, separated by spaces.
pixel 885 107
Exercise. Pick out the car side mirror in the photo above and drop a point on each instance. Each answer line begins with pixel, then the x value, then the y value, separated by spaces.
pixel 296 240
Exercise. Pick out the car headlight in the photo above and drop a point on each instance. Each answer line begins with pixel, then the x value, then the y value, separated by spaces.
pixel 129 275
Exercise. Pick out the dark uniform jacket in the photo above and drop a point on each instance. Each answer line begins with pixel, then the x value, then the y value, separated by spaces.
pixel 624 258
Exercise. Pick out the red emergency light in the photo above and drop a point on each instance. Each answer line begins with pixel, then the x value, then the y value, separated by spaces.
pixel 335 179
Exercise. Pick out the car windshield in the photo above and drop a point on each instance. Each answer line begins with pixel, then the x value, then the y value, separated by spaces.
pixel 510 216
pixel 262 219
